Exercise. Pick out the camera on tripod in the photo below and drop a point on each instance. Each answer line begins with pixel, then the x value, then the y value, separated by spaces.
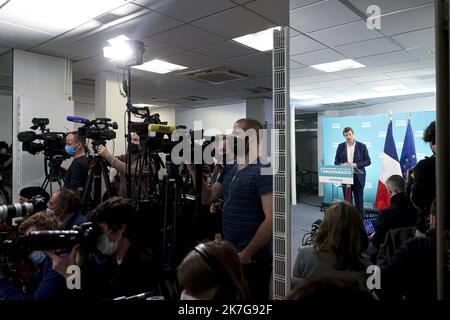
pixel 52 144
pixel 98 130
pixel 85 234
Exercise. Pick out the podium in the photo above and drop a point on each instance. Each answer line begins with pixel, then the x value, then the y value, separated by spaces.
pixel 338 176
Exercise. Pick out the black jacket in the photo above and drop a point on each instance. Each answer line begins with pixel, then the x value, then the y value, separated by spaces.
pixel 401 213
pixel 411 273
pixel 423 190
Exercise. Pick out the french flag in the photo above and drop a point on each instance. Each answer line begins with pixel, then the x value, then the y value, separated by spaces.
pixel 389 166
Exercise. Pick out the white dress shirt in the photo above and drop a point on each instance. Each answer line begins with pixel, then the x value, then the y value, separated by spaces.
pixel 350 152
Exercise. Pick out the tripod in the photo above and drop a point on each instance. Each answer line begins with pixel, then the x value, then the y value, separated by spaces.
pixel 98 169
pixel 54 164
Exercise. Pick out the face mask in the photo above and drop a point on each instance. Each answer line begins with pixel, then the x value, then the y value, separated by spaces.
pixel 50 211
pixel 105 246
pixel 70 150
pixel 186 296
pixel 37 257
pixel 134 148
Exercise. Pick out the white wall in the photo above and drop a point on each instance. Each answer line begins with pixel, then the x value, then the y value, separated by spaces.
pixel 38 76
pixel 410 105
pixel 6 119
pixel 166 115
pixel 85 110
pixel 221 118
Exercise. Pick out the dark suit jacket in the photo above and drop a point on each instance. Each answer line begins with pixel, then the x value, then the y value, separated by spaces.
pixel 400 214
pixel 360 157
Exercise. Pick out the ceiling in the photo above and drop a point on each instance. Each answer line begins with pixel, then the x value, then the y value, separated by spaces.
pixel 193 33
pixel 396 54
pixel 198 33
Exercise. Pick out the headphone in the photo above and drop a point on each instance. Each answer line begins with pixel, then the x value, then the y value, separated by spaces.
pixel 231 184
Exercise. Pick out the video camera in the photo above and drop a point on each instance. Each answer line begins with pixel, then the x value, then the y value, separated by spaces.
pixel 85 234
pixel 36 204
pixel 98 130
pixel 52 144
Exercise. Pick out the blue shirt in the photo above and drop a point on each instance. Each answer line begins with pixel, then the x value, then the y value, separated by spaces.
pixel 74 220
pixel 243 212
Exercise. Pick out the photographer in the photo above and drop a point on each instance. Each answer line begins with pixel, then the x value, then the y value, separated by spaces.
pixel 27 193
pixel 77 173
pixel 124 266
pixel 119 163
pixel 247 212
pixel 65 204
pixel 50 285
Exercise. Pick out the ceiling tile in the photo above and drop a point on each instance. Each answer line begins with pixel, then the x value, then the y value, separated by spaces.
pixel 21 35
pixel 366 48
pixel 294 4
pixel 381 83
pixel 416 38
pixel 68 48
pixel 385 58
pixel 3 50
pixel 302 44
pixel 259 62
pixel 278 14
pixel 193 60
pixel 295 65
pixel 354 72
pixel 416 64
pixel 317 57
pixel 188 37
pixel 293 32
pixel 156 49
pixel 345 34
pixel 304 72
pixel 136 29
pixel 322 15
pixel 238 22
pixel 406 21
pixel 370 77
pixel 315 78
pixel 190 10
pixel 95 64
pixel 423 52
pixel 416 73
pixel 388 6
pixel 226 50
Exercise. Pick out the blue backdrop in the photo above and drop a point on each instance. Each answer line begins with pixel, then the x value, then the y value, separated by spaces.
pixel 371 130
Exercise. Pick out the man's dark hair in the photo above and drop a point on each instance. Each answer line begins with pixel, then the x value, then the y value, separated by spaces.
pixel 78 138
pixel 397 183
pixel 347 129
pixel 70 200
pixel 30 192
pixel 114 212
pixel 429 135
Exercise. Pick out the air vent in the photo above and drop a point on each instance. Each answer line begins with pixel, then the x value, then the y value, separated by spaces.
pixel 85 82
pixel 107 18
pixel 194 98
pixel 350 104
pixel 215 75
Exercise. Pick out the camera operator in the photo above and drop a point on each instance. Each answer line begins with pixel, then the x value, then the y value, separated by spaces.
pixel 247 212
pixel 119 163
pixel 50 285
pixel 124 267
pixel 65 204
pixel 77 173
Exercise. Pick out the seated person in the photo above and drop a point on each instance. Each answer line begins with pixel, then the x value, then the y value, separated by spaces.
pixel 65 204
pixel 338 247
pixel 411 273
pixel 27 193
pixel 212 271
pixel 51 285
pixel 401 212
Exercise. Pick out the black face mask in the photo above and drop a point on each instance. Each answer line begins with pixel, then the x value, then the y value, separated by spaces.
pixel 134 148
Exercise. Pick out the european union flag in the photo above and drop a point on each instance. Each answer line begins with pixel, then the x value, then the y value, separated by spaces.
pixel 408 158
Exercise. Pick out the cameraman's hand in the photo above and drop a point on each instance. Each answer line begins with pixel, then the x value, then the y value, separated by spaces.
pixel 103 152
pixel 60 264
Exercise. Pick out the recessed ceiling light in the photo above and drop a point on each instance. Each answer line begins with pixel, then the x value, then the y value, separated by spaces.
pixel 338 65
pixel 141 105
pixel 391 88
pixel 160 66
pixel 262 40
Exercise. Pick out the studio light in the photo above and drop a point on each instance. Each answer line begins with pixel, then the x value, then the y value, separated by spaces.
pixel 124 52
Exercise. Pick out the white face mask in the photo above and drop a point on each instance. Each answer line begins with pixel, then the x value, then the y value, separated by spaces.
pixel 105 246
pixel 186 296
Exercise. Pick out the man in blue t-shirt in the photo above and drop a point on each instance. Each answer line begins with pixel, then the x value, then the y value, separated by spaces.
pixel 247 213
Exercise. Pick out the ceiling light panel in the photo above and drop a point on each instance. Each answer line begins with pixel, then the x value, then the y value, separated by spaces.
pixel 160 66
pixel 340 65
pixel 262 40
pixel 55 16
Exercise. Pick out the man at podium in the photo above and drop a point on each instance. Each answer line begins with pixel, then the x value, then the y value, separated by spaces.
pixel 354 153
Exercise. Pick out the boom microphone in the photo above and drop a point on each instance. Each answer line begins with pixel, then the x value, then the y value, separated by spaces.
pixel 77 119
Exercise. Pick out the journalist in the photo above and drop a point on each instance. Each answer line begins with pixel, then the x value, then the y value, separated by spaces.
pixel 65 204
pixel 247 210
pixel 50 285
pixel 77 173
